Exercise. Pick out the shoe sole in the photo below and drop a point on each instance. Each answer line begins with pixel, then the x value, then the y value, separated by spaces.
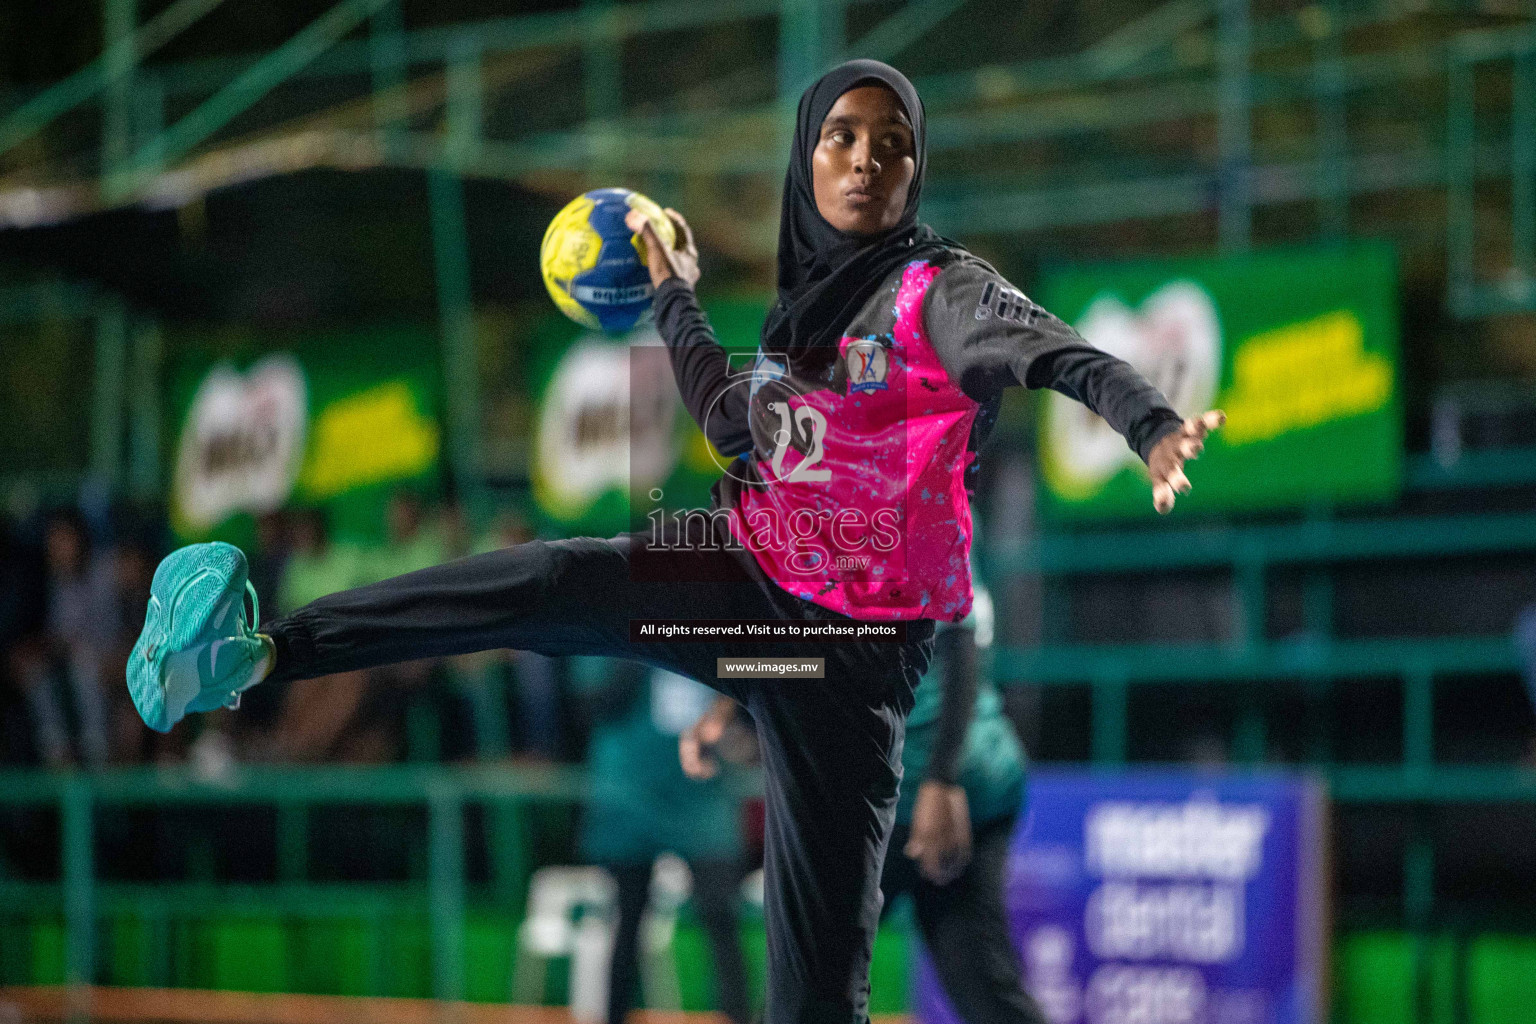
pixel 162 700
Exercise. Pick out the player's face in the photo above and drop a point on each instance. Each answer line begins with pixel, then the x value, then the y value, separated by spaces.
pixel 864 161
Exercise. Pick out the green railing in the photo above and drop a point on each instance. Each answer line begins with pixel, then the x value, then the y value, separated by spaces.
pixel 444 792
pixel 1312 545
pixel 83 898
pixel 1250 554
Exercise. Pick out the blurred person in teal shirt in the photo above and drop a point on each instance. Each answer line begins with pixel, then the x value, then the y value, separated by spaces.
pixel 1525 647
pixel 641 805
pixel 961 796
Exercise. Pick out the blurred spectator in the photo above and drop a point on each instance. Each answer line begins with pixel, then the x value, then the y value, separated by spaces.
pixel 268 557
pixel 314 566
pixel 381 714
pixel 431 718
pixel 1525 645
pixel 415 540
pixel 62 669
pixel 316 714
pixel 327 719
pixel 21 617
pixel 479 680
pixel 520 688
pixel 642 805
pixel 133 568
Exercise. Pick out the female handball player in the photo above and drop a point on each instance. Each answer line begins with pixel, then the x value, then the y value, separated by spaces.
pixel 852 442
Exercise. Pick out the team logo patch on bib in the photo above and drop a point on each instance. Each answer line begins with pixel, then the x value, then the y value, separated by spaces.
pixel 867 362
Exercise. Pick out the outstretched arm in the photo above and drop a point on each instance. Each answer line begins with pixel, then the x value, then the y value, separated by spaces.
pixel 990 336
pixel 699 363
pixel 1114 389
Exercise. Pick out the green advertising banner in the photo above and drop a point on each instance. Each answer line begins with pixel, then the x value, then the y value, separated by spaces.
pixel 1298 347
pixel 611 439
pixel 334 420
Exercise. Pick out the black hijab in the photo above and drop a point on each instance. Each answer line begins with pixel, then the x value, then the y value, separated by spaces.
pixel 825 275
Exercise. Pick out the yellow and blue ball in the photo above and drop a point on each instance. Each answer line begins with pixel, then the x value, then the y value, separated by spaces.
pixel 594 266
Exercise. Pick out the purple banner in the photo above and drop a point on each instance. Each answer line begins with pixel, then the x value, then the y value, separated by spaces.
pixel 1165 898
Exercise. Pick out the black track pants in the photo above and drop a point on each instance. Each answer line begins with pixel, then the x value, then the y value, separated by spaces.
pixel 831 747
pixel 965 929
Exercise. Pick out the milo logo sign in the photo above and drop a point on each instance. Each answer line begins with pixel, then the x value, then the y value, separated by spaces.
pixel 242 445
pixel 605 424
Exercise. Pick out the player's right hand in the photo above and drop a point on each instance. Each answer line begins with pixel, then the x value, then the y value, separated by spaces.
pixel 941 831
pixel 696 744
pixel 681 262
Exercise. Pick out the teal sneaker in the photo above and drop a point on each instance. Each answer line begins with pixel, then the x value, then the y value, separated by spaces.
pixel 199 649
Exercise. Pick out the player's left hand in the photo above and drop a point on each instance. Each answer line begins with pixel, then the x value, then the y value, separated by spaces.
pixel 941 832
pixel 1169 455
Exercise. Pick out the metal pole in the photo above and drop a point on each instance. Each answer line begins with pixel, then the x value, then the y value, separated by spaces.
pixel 119 18
pixel 1252 731
pixel 108 392
pixel 602 66
pixel 1333 127
pixel 445 821
pixel 1110 711
pixel 292 842
pixel 450 248
pixel 1522 176
pixel 144 412
pixel 1233 129
pixel 1317 601
pixel 149 116
pixel 1461 136
pixel 1418 901
pixel 1055 609
pixel 79 884
pixel 465 101
pixel 387 60
pixel 1317 604
pixel 1418 722
pixel 1248 581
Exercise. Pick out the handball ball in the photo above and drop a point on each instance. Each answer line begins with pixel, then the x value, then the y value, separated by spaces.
pixel 594 266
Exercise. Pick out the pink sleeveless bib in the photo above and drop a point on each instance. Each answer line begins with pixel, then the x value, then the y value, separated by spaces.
pixel 862 507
